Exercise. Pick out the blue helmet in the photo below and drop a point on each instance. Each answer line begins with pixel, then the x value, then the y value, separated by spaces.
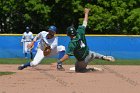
pixel 52 28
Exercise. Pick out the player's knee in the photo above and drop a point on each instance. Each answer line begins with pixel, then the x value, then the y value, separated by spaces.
pixel 33 63
pixel 80 67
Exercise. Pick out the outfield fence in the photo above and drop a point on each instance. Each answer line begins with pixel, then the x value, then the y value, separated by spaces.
pixel 119 46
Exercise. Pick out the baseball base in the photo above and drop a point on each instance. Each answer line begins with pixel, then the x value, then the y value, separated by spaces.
pixel 97 69
pixel 72 68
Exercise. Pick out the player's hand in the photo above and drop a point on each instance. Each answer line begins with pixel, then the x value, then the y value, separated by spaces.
pixel 30 45
pixel 87 10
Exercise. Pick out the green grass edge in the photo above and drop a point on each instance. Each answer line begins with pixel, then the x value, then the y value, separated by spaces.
pixel 6 73
pixel 71 61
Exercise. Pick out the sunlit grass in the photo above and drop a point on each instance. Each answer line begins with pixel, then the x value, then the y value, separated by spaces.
pixel 6 73
pixel 70 61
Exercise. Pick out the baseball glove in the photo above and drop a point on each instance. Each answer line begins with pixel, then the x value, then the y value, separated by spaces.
pixel 30 46
pixel 47 51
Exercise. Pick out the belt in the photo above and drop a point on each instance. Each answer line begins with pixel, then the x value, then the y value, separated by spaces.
pixel 27 41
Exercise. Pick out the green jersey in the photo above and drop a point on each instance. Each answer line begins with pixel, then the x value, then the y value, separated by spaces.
pixel 77 46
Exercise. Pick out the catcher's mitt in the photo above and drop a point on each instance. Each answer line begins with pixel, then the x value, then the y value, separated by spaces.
pixel 47 51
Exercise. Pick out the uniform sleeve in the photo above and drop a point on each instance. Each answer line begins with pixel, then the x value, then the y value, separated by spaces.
pixel 32 37
pixel 23 37
pixel 38 36
pixel 70 50
pixel 81 30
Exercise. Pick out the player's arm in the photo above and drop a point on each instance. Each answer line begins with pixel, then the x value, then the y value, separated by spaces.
pixel 69 52
pixel 65 57
pixel 86 17
pixel 50 47
pixel 81 28
pixel 32 37
pixel 34 40
pixel 22 39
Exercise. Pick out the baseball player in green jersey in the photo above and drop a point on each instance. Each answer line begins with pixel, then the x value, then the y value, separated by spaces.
pixel 78 47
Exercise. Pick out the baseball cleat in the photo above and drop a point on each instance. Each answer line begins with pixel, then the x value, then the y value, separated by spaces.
pixel 109 58
pixel 20 67
pixel 97 69
pixel 60 68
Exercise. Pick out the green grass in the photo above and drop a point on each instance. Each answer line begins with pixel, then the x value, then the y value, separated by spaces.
pixel 22 60
pixel 6 73
pixel 70 61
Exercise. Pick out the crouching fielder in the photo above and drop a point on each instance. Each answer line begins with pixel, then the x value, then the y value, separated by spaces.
pixel 48 46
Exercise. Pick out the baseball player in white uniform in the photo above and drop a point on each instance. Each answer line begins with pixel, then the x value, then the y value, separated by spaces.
pixel 48 46
pixel 26 39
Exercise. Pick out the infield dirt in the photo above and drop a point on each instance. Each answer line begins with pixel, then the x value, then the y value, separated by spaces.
pixel 45 79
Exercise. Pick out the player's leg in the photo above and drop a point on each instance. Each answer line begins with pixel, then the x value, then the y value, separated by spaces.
pixel 25 54
pixel 80 66
pixel 60 50
pixel 109 58
pixel 93 55
pixel 103 57
pixel 29 51
pixel 37 59
pixel 31 55
pixel 25 49
pixel 59 64
pixel 61 53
